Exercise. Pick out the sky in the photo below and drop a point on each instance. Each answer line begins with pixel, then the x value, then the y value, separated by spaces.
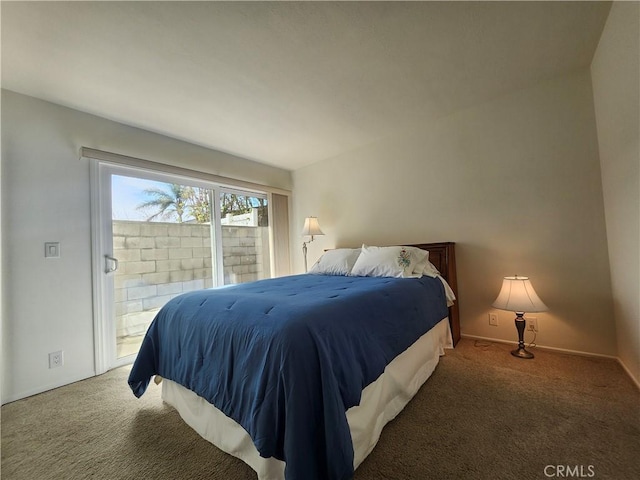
pixel 127 193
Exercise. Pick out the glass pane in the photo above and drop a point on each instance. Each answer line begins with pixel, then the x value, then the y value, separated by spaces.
pixel 162 240
pixel 245 237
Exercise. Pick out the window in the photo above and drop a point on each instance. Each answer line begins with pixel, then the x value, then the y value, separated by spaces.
pixel 159 235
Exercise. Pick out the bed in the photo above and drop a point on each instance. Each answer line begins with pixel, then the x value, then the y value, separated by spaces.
pixel 297 376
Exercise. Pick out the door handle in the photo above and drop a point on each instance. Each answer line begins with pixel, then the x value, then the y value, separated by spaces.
pixel 110 264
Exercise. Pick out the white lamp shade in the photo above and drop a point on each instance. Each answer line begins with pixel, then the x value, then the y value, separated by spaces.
pixel 517 295
pixel 311 227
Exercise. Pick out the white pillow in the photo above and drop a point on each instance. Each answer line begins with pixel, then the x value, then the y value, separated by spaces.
pixel 430 270
pixel 422 257
pixel 336 262
pixel 396 261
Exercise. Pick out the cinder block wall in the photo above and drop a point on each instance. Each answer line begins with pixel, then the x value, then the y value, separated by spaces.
pixel 245 253
pixel 158 261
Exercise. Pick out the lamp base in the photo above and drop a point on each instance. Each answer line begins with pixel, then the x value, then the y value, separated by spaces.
pixel 521 353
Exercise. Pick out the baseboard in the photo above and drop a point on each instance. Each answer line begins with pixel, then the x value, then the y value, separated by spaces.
pixel 633 379
pixel 560 350
pixel 28 393
pixel 543 347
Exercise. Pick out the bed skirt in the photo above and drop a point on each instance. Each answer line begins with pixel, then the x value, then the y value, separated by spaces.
pixel 381 401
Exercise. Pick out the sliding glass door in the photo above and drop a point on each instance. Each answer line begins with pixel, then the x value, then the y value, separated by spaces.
pixel 158 236
pixel 161 234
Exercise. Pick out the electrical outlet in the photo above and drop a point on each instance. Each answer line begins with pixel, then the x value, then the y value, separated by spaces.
pixel 493 319
pixel 532 324
pixel 56 359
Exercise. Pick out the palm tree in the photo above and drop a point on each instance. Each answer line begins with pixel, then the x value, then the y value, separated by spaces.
pixel 168 204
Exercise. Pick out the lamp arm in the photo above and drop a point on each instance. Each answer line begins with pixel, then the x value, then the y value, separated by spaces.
pixel 304 253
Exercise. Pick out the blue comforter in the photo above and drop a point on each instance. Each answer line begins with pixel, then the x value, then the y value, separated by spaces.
pixel 286 357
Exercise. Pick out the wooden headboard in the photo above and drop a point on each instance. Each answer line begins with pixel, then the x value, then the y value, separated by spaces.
pixel 443 257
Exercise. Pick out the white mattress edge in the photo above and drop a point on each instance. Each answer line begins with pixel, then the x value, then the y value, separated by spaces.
pixel 381 402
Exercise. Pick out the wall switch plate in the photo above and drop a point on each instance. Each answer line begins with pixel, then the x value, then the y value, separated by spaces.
pixel 493 319
pixel 52 249
pixel 532 324
pixel 56 359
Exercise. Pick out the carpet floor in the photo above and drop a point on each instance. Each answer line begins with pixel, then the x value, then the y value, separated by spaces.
pixel 483 414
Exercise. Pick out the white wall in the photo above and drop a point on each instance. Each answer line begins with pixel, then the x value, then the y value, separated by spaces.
pixel 515 182
pixel 2 309
pixel 47 303
pixel 615 71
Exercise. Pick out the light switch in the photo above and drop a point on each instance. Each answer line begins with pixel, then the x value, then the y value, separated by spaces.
pixel 52 249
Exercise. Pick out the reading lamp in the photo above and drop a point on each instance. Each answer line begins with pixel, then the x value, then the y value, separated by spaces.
pixel 517 295
pixel 310 229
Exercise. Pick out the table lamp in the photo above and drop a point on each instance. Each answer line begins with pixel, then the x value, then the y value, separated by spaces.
pixel 517 295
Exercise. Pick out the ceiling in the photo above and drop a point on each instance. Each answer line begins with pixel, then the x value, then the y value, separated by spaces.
pixel 288 84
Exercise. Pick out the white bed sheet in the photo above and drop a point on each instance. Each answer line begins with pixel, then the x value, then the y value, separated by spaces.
pixel 381 402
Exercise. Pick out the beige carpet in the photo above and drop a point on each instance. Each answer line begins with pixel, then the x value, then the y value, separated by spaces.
pixel 482 415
